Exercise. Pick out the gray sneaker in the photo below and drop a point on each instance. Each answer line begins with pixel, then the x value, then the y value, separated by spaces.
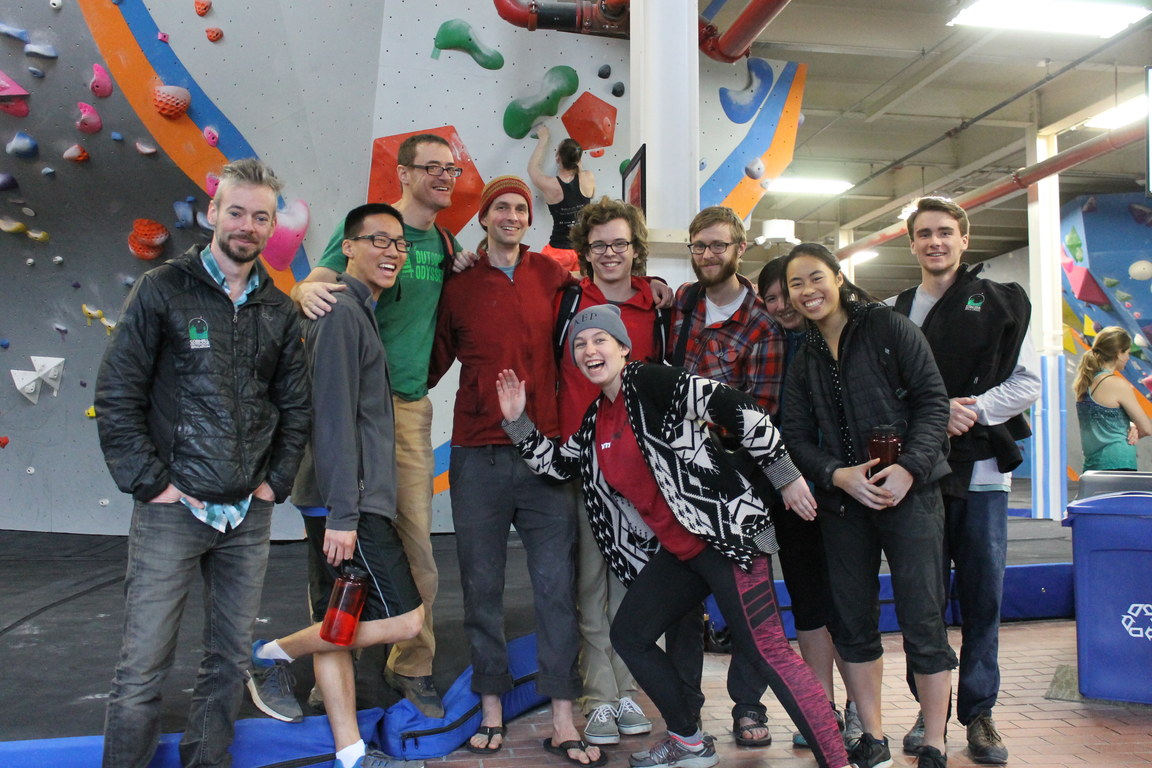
pixel 670 752
pixel 914 739
pixel 601 726
pixel 421 691
pixel 630 719
pixel 270 684
pixel 853 728
pixel 984 743
pixel 374 758
pixel 316 700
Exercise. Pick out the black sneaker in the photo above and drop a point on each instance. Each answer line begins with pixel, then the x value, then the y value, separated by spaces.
pixel 914 739
pixel 930 757
pixel 419 690
pixel 984 743
pixel 870 753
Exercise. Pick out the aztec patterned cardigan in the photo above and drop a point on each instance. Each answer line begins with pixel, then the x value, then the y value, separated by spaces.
pixel 669 411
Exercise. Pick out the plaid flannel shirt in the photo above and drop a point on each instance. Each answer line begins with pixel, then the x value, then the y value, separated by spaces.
pixel 746 351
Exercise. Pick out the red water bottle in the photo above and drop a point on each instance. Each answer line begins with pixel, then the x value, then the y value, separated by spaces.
pixel 344 607
pixel 884 444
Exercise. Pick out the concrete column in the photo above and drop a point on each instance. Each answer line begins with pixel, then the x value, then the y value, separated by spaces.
pixel 665 70
pixel 1049 415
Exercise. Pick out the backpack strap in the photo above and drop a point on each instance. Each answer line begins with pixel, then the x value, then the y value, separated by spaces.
pixel 691 299
pixel 569 301
pixel 904 301
pixel 449 248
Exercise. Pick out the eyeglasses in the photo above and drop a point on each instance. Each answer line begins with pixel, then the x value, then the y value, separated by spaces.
pixel 717 247
pixel 432 169
pixel 383 241
pixel 618 246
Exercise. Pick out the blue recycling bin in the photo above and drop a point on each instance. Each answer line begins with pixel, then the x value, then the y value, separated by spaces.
pixel 1112 574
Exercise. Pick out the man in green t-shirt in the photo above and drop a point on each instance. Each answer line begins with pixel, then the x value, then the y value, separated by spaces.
pixel 428 173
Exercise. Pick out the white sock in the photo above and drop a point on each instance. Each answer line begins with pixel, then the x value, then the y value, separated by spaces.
pixel 348 756
pixel 272 650
pixel 693 741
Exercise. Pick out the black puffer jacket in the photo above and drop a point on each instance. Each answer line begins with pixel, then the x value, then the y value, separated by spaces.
pixel 888 377
pixel 198 393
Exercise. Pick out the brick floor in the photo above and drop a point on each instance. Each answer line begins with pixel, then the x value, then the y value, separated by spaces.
pixel 1039 732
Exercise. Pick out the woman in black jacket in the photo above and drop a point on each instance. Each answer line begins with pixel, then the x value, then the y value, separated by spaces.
pixel 865 371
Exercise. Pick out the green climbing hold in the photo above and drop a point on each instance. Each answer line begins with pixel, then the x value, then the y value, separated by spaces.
pixel 457 35
pixel 1111 282
pixel 1123 296
pixel 522 114
pixel 1075 245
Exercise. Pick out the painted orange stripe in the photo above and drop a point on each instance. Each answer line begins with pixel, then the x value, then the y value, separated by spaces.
pixel 181 139
pixel 745 195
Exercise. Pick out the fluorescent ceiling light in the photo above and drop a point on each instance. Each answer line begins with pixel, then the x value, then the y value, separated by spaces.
pixel 1074 17
pixel 792 185
pixel 1122 114
pixel 860 257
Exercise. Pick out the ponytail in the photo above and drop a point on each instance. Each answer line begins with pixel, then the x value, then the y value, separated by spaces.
pixel 1109 344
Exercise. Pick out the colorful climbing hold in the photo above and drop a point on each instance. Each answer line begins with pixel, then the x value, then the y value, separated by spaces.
pixel 4 441
pixel 90 411
pixel 13 97
pixel 15 32
pixel 116 136
pixel 1140 270
pixel 101 82
pixel 108 325
pixel 185 213
pixel 40 51
pixel 211 182
pixel 171 101
pixel 23 146
pixel 202 7
pixel 48 171
pixel 4 343
pixel 591 121
pixel 604 72
pixel 211 135
pixel 521 114
pixel 77 154
pixel 11 226
pixel 8 182
pixel 214 34
pixel 741 106
pixel 91 314
pixel 89 121
pixel 38 235
pixel 162 36
pixel 754 169
pixel 1123 296
pixel 291 226
pixel 145 149
pixel 457 34
pixel 57 260
pixel 147 239
pixel 617 89
pixel 36 72
pixel 1111 282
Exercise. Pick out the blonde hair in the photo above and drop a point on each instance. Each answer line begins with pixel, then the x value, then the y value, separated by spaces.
pixel 1107 347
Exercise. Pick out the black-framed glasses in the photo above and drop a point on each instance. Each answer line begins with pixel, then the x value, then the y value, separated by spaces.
pixel 716 246
pixel 618 246
pixel 432 169
pixel 383 241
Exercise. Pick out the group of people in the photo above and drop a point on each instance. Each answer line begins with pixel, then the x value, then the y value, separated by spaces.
pixel 709 428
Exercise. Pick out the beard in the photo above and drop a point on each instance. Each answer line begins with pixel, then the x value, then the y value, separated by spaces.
pixel 727 269
pixel 239 257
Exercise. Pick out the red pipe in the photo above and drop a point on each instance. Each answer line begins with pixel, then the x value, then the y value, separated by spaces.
pixel 734 44
pixel 1115 139
pixel 605 18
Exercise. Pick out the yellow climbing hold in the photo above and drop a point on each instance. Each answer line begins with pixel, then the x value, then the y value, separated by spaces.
pixel 108 324
pixel 11 226
pixel 91 412
pixel 91 314
pixel 38 235
pixel 1089 327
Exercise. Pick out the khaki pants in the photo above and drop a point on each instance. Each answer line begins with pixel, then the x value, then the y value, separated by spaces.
pixel 414 468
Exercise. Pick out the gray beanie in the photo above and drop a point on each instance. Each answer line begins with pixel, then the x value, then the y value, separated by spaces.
pixel 606 317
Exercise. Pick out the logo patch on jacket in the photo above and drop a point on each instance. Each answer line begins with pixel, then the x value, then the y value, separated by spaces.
pixel 198 334
pixel 975 302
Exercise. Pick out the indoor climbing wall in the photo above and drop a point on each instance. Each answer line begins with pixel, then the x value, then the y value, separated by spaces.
pixel 1107 260
pixel 115 113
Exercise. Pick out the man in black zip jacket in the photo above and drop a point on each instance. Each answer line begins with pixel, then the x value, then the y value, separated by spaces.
pixel 978 331
pixel 203 413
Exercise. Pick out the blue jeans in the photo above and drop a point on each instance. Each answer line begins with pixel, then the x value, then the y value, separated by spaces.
pixel 976 541
pixel 167 546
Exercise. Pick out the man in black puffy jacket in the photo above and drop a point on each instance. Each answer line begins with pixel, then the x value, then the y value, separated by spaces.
pixel 203 413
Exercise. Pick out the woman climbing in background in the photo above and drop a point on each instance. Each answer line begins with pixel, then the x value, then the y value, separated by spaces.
pixel 566 193
pixel 1111 419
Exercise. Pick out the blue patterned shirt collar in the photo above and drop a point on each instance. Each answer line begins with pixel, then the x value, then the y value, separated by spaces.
pixel 208 259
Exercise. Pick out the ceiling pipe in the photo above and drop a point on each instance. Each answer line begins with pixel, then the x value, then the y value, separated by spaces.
pixel 1021 179
pixel 605 18
pixel 735 44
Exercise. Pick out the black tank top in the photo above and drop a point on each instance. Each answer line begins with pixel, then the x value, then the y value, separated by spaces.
pixel 564 212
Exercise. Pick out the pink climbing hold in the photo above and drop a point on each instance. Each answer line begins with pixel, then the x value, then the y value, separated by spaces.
pixel 12 97
pixel 101 83
pixel 89 121
pixel 162 36
pixel 211 182
pixel 1084 286
pixel 212 136
pixel 291 226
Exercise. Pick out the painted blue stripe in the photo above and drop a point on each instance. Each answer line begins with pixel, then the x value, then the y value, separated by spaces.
pixel 1062 391
pixel 729 173
pixel 713 8
pixel 440 456
pixel 203 111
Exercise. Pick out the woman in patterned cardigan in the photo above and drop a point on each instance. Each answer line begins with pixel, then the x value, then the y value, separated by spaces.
pixel 676 521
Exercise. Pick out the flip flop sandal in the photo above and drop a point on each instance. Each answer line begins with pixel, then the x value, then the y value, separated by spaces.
pixel 488 731
pixel 562 748
pixel 743 732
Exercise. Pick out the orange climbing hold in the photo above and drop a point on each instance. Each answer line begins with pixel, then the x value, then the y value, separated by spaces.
pixel 147 239
pixel 171 101
pixel 214 34
pixel 591 121
pixel 202 7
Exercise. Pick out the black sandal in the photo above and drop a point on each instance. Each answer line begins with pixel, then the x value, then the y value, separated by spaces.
pixel 743 732
pixel 489 731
